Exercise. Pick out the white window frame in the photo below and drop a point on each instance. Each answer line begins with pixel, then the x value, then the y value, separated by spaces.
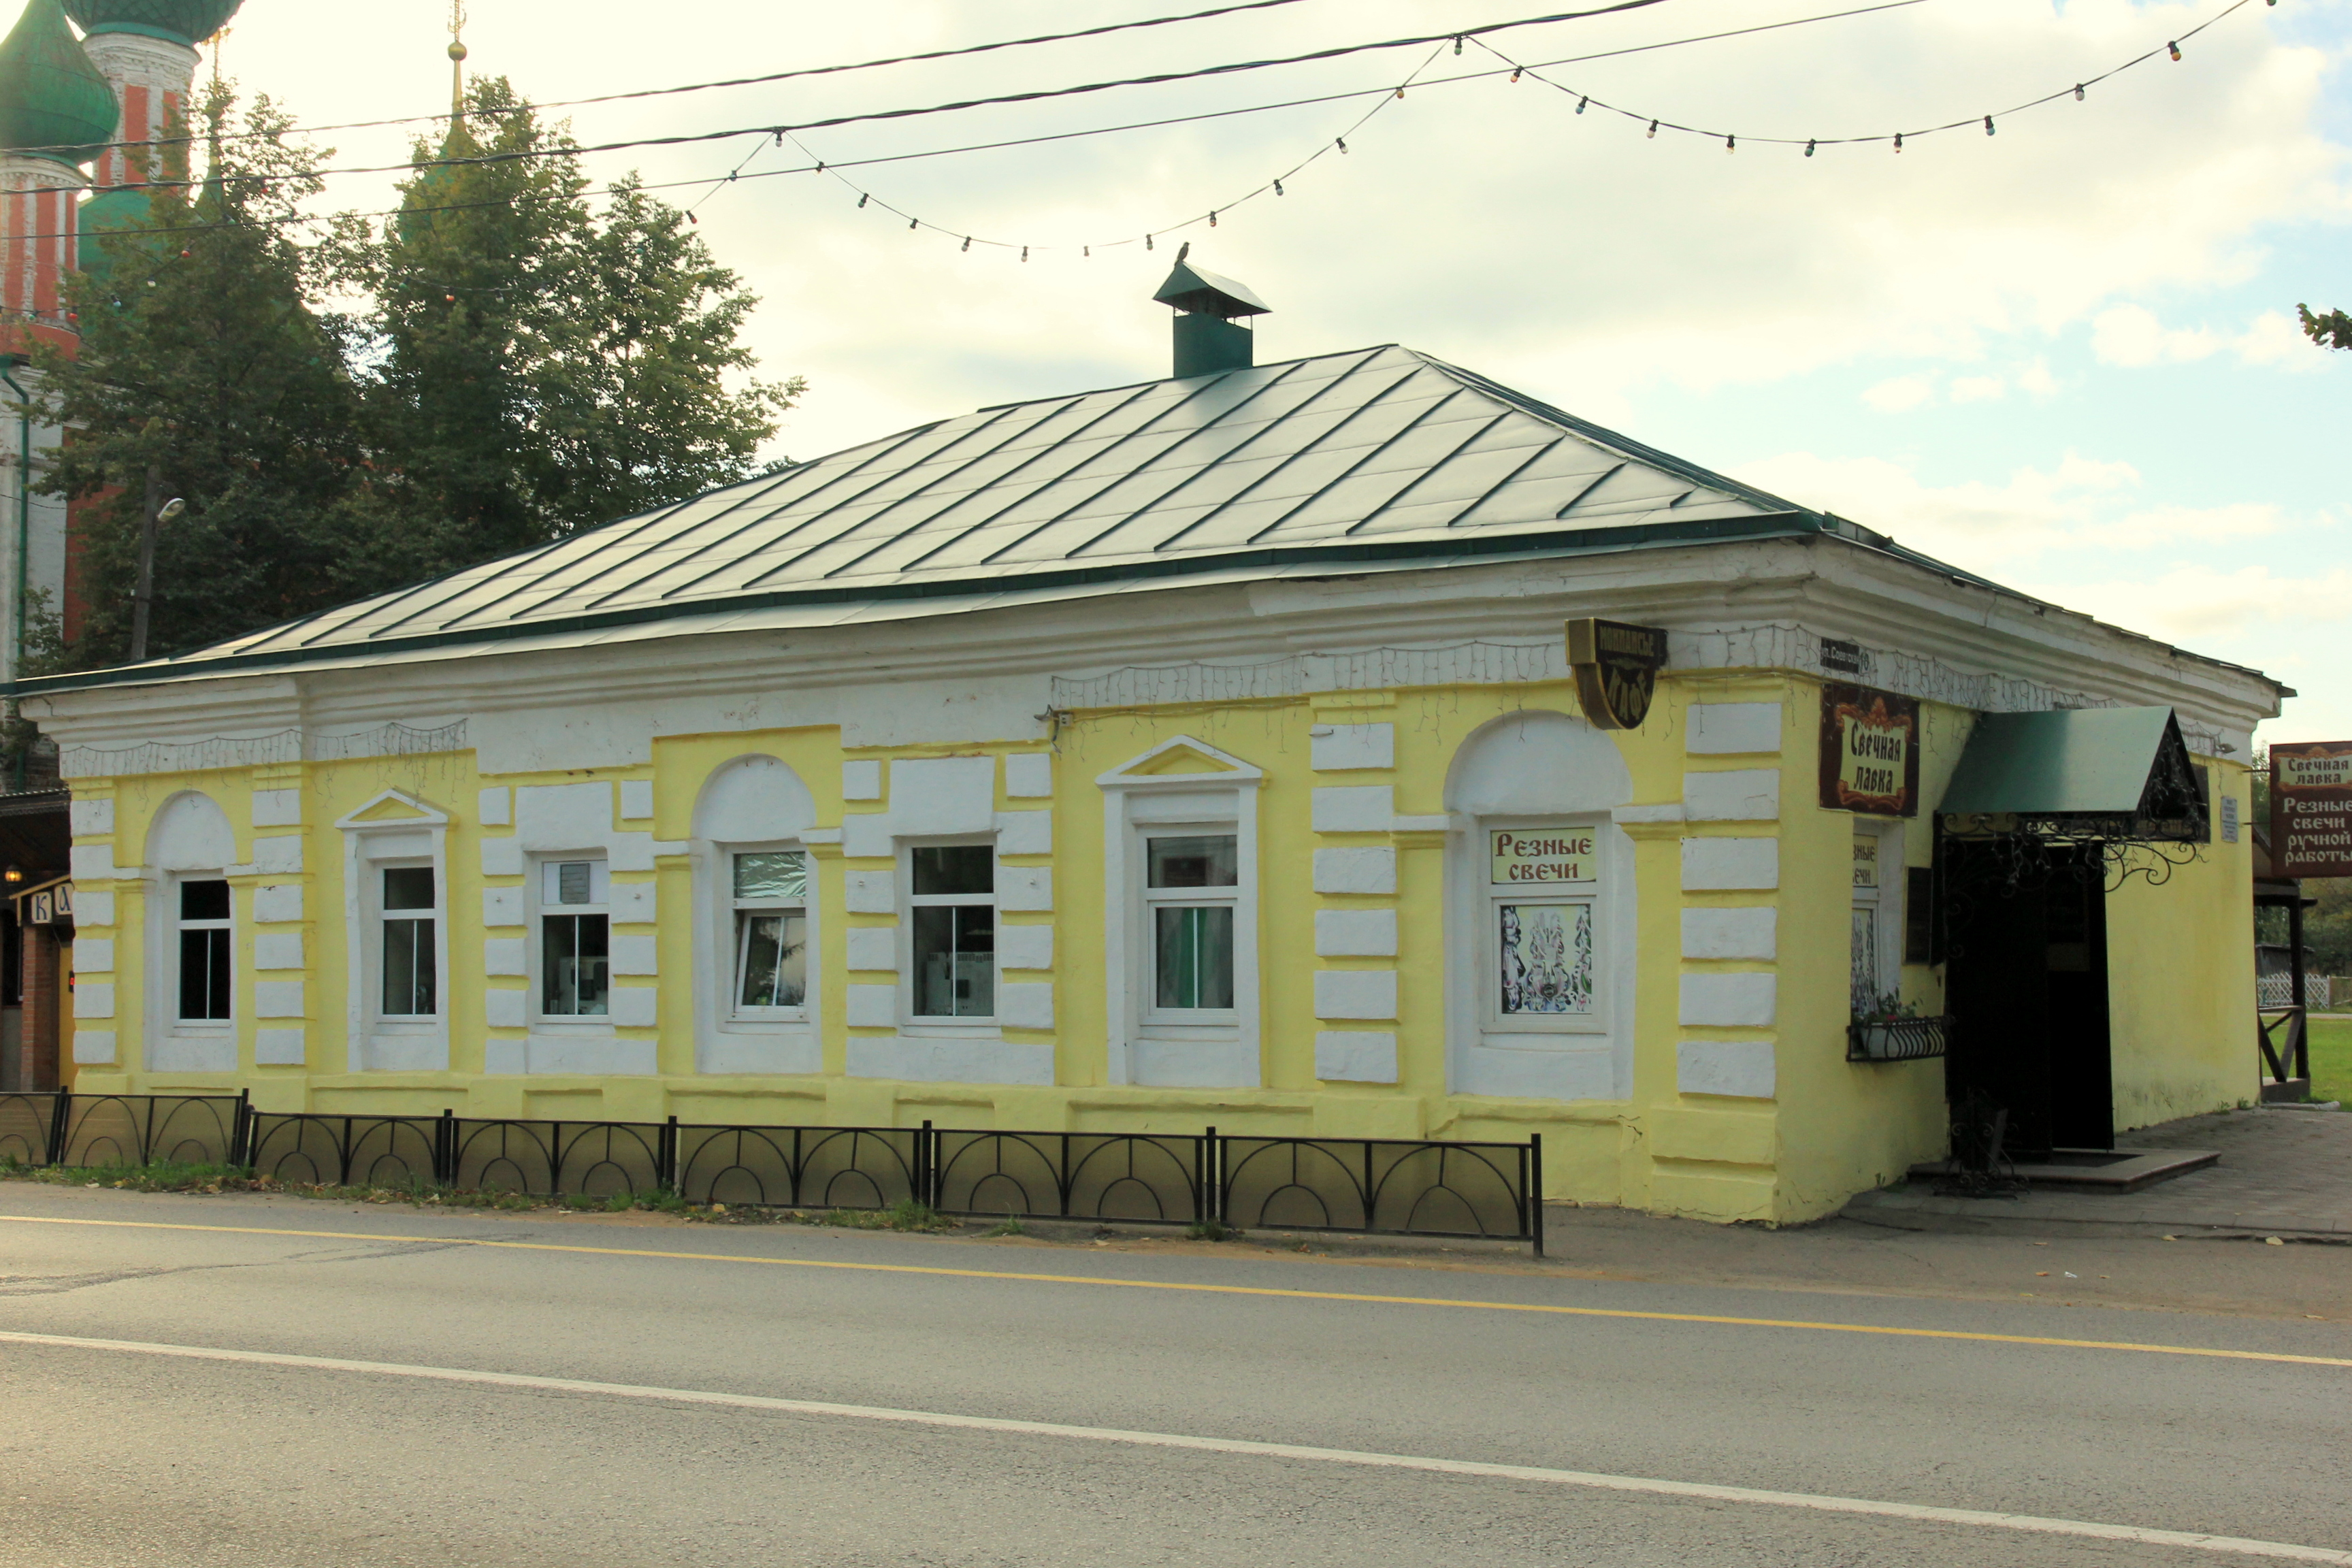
pixel 177 925
pixel 1145 1044
pixel 730 999
pixel 600 875
pixel 399 1042
pixel 941 1024
pixel 1887 902
pixel 384 918
pixel 1592 894
pixel 1214 1024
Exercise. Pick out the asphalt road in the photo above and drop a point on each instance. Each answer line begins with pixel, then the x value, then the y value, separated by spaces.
pixel 1443 1415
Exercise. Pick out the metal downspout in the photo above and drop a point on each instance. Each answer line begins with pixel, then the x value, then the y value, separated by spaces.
pixel 9 364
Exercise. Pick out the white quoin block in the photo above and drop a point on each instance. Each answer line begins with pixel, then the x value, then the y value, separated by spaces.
pixel 1733 729
pixel 1355 933
pixel 1024 833
pixel 276 949
pixel 1731 933
pixel 283 852
pixel 93 1048
pixel 504 1009
pixel 95 955
pixel 635 1007
pixel 1355 993
pixel 1025 947
pixel 502 906
pixel 503 856
pixel 91 862
pixel 871 948
pixel 494 808
pixel 861 780
pixel 93 1000
pixel 503 956
pixel 872 1006
pixel 91 816
pixel 1355 1055
pixel 1730 1001
pixel 1365 870
pixel 277 998
pixel 1340 748
pixel 635 955
pixel 1025 888
pixel 1029 776
pixel 92 911
pixel 1355 808
pixel 1730 865
pixel 1743 1069
pixel 275 905
pixel 1746 795
pixel 278 1047
pixel 1025 1005
pixel 636 799
pixel 869 892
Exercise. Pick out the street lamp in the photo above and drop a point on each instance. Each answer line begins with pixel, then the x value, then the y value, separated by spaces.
pixel 143 596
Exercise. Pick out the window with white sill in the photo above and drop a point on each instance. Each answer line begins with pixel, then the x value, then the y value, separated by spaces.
pixel 768 893
pixel 950 932
pixel 575 979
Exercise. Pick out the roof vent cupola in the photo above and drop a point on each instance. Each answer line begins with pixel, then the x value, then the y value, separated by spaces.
pixel 1210 336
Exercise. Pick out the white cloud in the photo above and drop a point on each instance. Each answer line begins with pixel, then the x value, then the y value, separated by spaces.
pixel 2036 380
pixel 2131 335
pixel 1979 388
pixel 1978 524
pixel 1901 395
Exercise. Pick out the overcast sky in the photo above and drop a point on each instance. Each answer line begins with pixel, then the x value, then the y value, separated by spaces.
pixel 2063 356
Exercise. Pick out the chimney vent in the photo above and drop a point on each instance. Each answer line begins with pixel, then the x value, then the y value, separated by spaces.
pixel 1210 336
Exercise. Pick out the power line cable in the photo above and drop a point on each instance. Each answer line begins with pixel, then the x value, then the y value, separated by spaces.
pixel 731 82
pixel 1035 95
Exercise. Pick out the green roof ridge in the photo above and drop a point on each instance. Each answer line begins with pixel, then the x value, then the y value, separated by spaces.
pixel 53 103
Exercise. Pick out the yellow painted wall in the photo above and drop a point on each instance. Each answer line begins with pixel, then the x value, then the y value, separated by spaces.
pixel 2183 966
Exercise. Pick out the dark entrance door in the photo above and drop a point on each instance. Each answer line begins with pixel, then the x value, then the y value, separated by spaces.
pixel 2026 982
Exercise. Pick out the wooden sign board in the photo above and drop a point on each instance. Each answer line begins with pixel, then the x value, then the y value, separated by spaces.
pixel 1616 669
pixel 1870 752
pixel 2311 808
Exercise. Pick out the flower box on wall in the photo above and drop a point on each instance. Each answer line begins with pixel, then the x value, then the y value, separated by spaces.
pixel 1896 1039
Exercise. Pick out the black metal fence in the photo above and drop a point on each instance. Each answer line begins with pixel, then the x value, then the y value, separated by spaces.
pixel 61 1128
pixel 1367 1186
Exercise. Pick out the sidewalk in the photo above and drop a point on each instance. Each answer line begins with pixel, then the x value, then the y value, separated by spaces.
pixel 2281 1173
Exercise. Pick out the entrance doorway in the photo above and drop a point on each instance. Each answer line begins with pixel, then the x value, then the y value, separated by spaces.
pixel 2026 980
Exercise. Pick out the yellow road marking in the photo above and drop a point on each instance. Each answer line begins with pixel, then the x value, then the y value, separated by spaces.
pixel 1451 1301
pixel 1926 1513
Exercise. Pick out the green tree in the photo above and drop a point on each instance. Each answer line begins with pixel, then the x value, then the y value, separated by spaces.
pixel 203 357
pixel 541 366
pixel 2332 330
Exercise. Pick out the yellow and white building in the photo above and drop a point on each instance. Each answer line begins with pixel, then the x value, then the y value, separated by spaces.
pixel 1202 750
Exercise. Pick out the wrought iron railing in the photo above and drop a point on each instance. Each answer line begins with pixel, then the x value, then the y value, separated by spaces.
pixel 62 1128
pixel 1897 1039
pixel 1382 1186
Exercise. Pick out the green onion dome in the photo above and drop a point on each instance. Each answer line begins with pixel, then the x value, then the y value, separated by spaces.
pixel 182 21
pixel 124 206
pixel 53 101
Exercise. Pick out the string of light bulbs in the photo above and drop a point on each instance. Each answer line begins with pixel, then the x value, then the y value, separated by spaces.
pixel 1731 141
pixel 821 166
pixel 1274 186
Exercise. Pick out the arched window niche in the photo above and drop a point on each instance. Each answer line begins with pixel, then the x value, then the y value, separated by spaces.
pixel 191 927
pixel 1541 912
pixel 756 975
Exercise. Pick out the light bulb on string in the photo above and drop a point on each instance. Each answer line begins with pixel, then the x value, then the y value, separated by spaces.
pixel 2174 48
pixel 863 197
pixel 1025 253
pixel 1342 144
pixel 1898 141
pixel 1581 104
pixel 1653 130
pixel 1515 75
pixel 1213 217
pixel 2078 93
pixel 1457 43
pixel 1400 93
pixel 914 223
pixel 1147 242
pixel 1809 149
pixel 1731 143
pixel 966 242
pixel 1277 187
